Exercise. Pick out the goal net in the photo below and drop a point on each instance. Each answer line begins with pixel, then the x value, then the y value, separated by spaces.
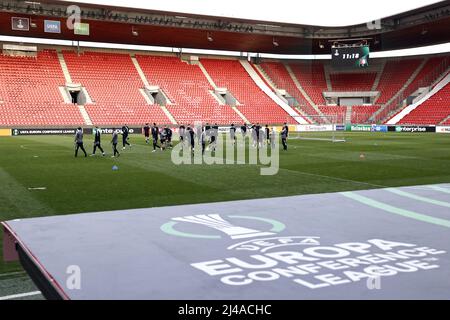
pixel 322 128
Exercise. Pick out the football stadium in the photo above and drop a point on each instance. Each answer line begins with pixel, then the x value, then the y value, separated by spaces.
pixel 156 153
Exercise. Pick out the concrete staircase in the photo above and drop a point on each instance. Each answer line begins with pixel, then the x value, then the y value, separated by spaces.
pixel 348 115
pixel 400 92
pixel 303 92
pixel 327 77
pixel 85 115
pixel 213 84
pixel 265 88
pixel 139 71
pixel 168 114
pixel 397 118
pixel 445 120
pixel 147 84
pixel 64 68
pixel 240 114
pixel 207 76
pixel 263 72
pixel 378 78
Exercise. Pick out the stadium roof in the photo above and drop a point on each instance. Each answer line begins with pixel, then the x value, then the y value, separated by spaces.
pixel 317 12
pixel 121 25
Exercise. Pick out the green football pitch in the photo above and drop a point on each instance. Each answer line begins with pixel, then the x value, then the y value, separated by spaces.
pixel 39 176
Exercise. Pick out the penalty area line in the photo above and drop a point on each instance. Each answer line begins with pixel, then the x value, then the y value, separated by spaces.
pixel 20 295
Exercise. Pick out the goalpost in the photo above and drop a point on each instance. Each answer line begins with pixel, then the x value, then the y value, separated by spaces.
pixel 322 128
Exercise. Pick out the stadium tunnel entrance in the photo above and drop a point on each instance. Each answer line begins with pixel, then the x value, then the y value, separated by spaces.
pixel 75 94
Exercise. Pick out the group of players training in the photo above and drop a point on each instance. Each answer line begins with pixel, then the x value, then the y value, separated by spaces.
pixel 202 135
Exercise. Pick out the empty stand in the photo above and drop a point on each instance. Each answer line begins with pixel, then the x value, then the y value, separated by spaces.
pixel 345 82
pixel 361 114
pixel 395 75
pixel 113 84
pixel 433 111
pixel 254 104
pixel 311 76
pixel 337 112
pixel 278 73
pixel 187 89
pixel 30 94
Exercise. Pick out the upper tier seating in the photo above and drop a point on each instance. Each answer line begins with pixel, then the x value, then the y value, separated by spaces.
pixel 113 83
pixel 311 76
pixel 255 104
pixel 395 75
pixel 278 73
pixel 188 89
pixel 29 94
pixel 343 82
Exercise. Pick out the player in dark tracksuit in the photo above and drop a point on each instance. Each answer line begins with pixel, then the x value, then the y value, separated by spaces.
pixel 233 133
pixel 182 133
pixel 285 127
pixel 169 134
pixel 79 142
pixel 191 138
pixel 267 134
pixel 97 141
pixel 258 134
pixel 284 136
pixel 244 130
pixel 203 141
pixel 163 139
pixel 114 142
pixel 125 133
pixel 155 136
pixel 146 130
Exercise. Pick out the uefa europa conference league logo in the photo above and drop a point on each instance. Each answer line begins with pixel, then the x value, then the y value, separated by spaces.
pixel 266 257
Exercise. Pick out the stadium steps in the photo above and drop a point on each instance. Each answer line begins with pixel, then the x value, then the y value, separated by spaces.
pixel 207 75
pixel 406 111
pixel 213 84
pixel 168 115
pixel 446 120
pixel 64 95
pixel 402 89
pixel 85 115
pixel 327 72
pixel 265 88
pixel 147 84
pixel 266 77
pixel 64 67
pixel 378 78
pixel 240 114
pixel 300 88
pixel 348 115
pixel 304 115
pixel 139 71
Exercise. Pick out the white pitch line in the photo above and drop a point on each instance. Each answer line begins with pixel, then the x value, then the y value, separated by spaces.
pixel 12 274
pixel 21 295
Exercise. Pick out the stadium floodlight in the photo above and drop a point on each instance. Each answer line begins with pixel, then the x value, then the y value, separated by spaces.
pixel 275 42
pixel 209 37
pixel 134 32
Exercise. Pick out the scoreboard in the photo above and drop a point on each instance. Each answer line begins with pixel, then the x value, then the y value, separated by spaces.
pixel 351 57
